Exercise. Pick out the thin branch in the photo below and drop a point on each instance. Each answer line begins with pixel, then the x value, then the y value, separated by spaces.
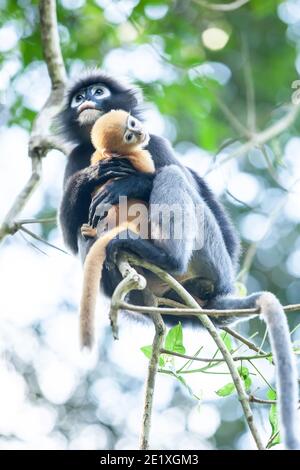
pixel 131 280
pixel 262 137
pixel 222 6
pixel 261 401
pixel 150 384
pixel 33 245
pixel 13 227
pixel 272 438
pixel 244 340
pixel 271 168
pixel 202 359
pixel 188 311
pixel 199 311
pixel 240 128
pixel 48 220
pixel 42 240
pixel 249 85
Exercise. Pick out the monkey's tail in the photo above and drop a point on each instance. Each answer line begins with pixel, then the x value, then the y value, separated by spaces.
pixel 286 370
pixel 285 364
pixel 92 272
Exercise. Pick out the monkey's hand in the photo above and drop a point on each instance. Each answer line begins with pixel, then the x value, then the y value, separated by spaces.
pixel 104 171
pixel 135 186
pixel 88 232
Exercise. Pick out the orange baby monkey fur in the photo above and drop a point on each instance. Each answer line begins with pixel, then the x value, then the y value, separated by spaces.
pixel 107 137
pixel 114 135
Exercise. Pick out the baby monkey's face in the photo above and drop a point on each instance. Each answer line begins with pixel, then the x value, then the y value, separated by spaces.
pixel 135 133
pixel 118 132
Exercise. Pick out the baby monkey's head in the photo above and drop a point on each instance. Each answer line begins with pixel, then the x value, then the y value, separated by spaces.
pixel 117 132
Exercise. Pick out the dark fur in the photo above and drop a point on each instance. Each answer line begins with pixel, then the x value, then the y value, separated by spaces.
pixel 123 97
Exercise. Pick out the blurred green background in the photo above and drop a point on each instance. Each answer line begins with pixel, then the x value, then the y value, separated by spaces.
pixel 211 80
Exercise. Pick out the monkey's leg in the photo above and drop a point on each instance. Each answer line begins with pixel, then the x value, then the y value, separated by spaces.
pixel 286 372
pixel 200 245
pixel 130 241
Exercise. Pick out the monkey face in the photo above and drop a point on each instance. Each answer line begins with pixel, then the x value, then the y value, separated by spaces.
pixel 88 103
pixel 135 133
pixel 91 96
pixel 117 132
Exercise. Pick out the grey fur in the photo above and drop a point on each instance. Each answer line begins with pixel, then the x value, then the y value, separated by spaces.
pixel 286 371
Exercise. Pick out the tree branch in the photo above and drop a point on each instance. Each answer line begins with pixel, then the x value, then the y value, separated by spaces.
pixel 150 384
pixel 50 43
pixel 262 137
pixel 244 340
pixel 198 311
pixel 212 360
pixel 41 138
pixel 132 280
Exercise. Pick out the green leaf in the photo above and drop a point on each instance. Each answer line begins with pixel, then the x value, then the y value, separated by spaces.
pixel 228 389
pixel 227 340
pixel 245 375
pixel 273 419
pixel 174 340
pixel 248 383
pixel 147 350
pixel 271 394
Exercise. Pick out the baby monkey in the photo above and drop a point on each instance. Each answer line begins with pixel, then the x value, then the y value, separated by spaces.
pixel 116 134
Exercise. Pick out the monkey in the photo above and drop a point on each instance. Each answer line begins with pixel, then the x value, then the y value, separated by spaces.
pixel 91 96
pixel 115 134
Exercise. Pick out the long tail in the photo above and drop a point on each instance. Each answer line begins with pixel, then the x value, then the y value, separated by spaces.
pixel 286 371
pixel 92 272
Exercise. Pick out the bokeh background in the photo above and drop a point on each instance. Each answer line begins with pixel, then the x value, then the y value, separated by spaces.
pixel 209 78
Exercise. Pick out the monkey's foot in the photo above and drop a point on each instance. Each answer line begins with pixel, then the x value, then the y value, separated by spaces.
pixel 87 231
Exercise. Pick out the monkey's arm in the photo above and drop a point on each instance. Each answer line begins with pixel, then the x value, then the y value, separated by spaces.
pixel 74 208
pixel 137 185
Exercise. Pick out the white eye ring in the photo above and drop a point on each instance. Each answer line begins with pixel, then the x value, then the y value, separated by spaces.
pixel 77 99
pixel 104 91
pixel 129 136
